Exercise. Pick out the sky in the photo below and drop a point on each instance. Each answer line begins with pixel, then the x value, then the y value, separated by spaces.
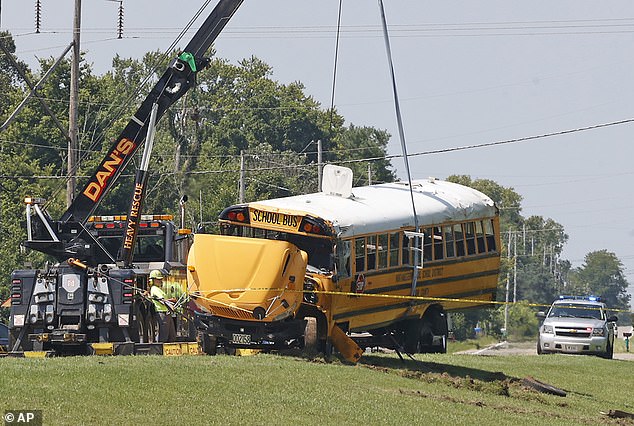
pixel 468 73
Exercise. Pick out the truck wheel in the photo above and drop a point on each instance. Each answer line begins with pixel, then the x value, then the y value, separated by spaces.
pixel 152 328
pixel 25 344
pixel 311 340
pixel 208 344
pixel 139 332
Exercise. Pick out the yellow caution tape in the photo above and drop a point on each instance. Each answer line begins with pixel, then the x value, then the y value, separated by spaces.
pixel 382 296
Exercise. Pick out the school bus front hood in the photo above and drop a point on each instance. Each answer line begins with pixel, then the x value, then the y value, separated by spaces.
pixel 246 278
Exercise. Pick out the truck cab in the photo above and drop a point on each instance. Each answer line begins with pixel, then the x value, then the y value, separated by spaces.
pixel 65 307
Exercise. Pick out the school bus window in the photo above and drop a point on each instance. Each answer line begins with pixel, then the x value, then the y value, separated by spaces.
pixel 438 244
pixel 470 237
pixel 459 238
pixel 480 237
pixel 370 250
pixel 405 250
pixel 449 244
pixel 229 230
pixel 428 241
pixel 319 251
pixel 343 259
pixel 490 236
pixel 381 251
pixel 393 249
pixel 257 233
pixel 359 254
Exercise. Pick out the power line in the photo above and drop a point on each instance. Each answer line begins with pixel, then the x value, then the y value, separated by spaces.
pixel 438 151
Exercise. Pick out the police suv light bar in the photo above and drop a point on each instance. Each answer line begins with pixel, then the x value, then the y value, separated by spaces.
pixel 590 298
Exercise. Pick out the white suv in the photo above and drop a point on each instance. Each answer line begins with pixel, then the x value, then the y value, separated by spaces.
pixel 578 325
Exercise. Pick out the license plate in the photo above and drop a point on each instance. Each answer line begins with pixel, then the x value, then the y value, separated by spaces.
pixel 572 348
pixel 242 339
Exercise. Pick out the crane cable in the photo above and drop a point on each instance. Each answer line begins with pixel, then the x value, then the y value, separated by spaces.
pixel 334 71
pixel 401 133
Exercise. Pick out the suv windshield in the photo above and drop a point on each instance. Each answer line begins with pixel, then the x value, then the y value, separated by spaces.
pixel 572 310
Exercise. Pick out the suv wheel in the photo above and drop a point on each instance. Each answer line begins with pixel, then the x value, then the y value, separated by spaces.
pixel 609 351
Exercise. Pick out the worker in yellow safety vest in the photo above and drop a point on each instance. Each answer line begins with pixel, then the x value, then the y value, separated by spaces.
pixel 167 331
pixel 174 292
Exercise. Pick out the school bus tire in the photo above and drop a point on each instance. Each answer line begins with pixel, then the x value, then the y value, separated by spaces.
pixel 435 324
pixel 311 338
pixel 411 337
pixel 328 351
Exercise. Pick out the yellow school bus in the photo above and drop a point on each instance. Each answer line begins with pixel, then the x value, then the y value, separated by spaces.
pixel 346 268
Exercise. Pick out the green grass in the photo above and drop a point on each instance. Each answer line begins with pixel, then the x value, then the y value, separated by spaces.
pixel 274 389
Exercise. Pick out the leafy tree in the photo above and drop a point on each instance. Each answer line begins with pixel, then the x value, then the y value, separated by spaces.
pixel 507 200
pixel 602 274
pixel 10 80
pixel 522 322
pixel 358 143
pixel 20 170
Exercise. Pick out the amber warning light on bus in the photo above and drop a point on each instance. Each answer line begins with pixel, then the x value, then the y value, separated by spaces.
pixel 236 214
pixel 311 225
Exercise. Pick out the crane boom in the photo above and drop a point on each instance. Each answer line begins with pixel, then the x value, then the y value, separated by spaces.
pixel 66 237
pixel 179 77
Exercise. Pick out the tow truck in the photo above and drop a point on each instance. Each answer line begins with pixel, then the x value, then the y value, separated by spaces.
pixel 95 292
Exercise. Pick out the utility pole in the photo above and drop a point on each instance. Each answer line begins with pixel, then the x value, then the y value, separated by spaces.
pixel 320 166
pixel 508 281
pixel 369 174
pixel 515 268
pixel 73 130
pixel 242 178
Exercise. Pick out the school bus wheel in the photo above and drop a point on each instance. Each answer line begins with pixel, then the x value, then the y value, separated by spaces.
pixel 311 339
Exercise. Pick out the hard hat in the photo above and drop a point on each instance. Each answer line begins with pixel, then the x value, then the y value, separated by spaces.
pixel 156 274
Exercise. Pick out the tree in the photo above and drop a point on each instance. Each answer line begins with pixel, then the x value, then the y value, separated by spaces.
pixel 10 80
pixel 602 275
pixel 507 200
pixel 358 143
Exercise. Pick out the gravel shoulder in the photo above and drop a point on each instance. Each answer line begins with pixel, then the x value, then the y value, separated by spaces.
pixel 526 348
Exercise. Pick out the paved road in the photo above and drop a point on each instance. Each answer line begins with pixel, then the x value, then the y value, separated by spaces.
pixel 526 348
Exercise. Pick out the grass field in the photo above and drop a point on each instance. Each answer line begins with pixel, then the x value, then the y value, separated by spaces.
pixel 276 389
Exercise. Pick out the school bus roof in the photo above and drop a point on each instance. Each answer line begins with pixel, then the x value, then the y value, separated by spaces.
pixel 388 206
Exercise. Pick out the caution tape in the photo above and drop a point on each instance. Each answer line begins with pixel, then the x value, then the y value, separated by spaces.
pixel 207 296
pixel 350 294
